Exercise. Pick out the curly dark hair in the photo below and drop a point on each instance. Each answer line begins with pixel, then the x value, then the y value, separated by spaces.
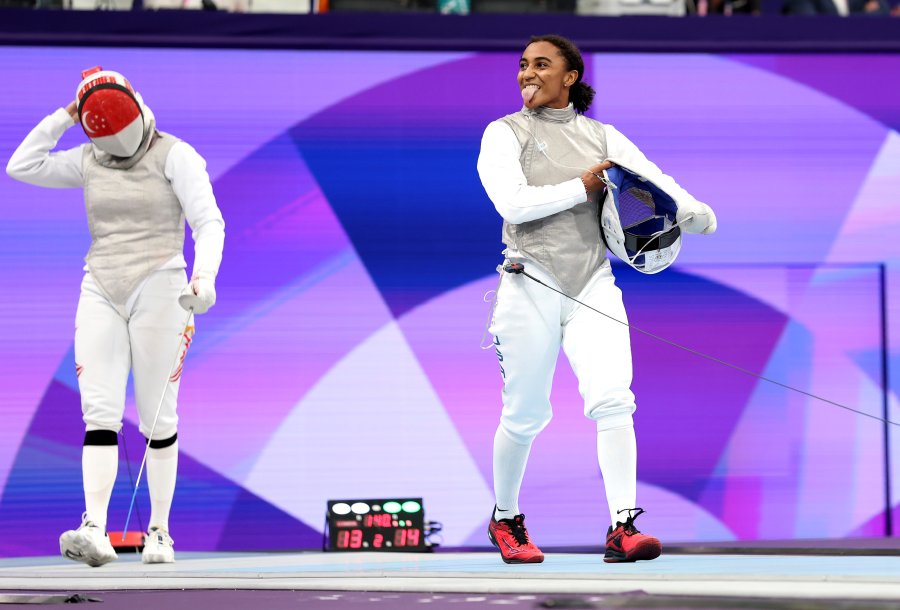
pixel 581 94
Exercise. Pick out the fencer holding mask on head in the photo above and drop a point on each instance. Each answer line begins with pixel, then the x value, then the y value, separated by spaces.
pixel 546 169
pixel 139 185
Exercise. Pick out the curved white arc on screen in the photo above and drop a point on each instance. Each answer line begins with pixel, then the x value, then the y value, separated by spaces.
pixel 372 431
pixel 865 234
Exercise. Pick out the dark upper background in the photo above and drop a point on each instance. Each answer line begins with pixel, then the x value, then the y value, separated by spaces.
pixel 492 25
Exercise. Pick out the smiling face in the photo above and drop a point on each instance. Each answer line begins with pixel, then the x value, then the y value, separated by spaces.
pixel 544 77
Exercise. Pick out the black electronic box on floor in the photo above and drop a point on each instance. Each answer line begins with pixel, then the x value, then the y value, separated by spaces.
pixel 376 525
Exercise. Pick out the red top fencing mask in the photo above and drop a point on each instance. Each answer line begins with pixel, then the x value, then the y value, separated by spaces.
pixel 110 113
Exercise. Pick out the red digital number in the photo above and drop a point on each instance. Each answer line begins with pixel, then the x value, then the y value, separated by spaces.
pixel 406 537
pixel 400 538
pixel 412 537
pixel 377 521
pixel 378 541
pixel 355 539
pixel 343 539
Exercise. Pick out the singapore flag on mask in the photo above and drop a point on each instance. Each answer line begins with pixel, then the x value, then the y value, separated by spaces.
pixel 110 113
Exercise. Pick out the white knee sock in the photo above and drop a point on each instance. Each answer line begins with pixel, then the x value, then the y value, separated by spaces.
pixel 99 465
pixel 617 455
pixel 162 467
pixel 509 469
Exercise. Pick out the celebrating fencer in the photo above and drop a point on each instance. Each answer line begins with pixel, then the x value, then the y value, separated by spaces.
pixel 567 186
pixel 136 307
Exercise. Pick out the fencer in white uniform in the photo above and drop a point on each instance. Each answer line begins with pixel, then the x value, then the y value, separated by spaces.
pixel 140 185
pixel 542 168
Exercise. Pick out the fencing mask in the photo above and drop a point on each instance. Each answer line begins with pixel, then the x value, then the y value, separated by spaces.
pixel 638 221
pixel 110 112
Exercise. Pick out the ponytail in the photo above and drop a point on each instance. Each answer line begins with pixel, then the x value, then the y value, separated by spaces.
pixel 581 95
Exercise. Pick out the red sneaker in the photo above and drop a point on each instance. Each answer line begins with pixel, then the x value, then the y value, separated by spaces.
pixel 626 543
pixel 511 537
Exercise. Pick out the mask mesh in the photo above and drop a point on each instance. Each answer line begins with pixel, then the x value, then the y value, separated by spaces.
pixel 635 206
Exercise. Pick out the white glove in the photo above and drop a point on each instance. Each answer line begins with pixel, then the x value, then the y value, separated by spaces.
pixel 200 294
pixel 696 218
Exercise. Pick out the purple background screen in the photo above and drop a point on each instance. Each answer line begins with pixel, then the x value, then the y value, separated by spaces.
pixel 342 359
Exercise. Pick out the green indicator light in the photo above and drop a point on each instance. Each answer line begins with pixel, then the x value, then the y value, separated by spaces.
pixel 392 507
pixel 411 506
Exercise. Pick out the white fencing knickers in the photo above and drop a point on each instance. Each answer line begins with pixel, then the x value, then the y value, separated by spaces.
pixel 529 325
pixel 141 336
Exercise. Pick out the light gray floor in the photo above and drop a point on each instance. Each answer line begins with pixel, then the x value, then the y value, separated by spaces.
pixel 809 577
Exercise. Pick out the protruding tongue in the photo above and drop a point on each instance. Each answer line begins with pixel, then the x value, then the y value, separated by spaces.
pixel 528 93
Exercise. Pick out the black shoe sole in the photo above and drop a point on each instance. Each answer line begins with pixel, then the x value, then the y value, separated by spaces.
pixel 645 552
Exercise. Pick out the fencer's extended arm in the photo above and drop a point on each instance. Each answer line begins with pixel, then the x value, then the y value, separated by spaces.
pixel 186 171
pixel 32 161
pixel 622 151
pixel 507 187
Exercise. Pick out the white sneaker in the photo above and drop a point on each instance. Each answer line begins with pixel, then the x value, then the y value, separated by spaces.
pixel 158 547
pixel 88 544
